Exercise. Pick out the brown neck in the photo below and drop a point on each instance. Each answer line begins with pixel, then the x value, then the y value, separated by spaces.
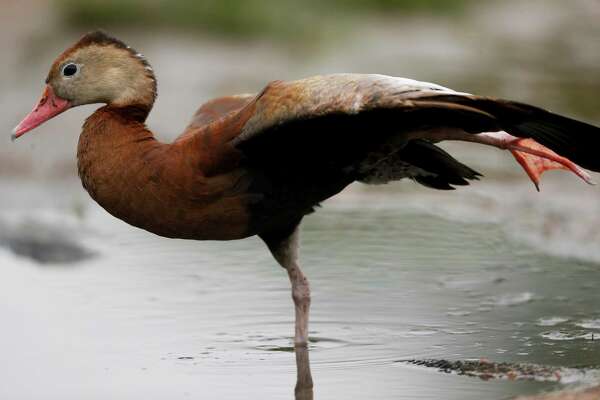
pixel 131 113
pixel 114 124
pixel 114 140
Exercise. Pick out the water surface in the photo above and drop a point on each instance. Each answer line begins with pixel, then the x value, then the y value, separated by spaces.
pixel 156 318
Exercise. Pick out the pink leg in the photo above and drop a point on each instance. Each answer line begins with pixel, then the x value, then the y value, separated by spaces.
pixel 532 156
pixel 285 252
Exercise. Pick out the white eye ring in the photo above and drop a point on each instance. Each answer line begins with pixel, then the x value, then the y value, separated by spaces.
pixel 69 70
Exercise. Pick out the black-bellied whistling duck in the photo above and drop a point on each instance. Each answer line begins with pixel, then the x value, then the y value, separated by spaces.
pixel 257 164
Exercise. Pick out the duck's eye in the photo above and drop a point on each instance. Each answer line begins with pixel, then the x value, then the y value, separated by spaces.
pixel 69 70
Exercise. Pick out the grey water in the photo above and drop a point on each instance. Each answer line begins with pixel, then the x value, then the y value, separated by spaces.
pixel 147 317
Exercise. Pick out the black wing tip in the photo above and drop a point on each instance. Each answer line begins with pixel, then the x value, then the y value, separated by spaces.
pixel 445 170
pixel 434 182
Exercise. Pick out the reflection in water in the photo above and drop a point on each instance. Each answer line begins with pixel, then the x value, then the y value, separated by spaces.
pixel 304 382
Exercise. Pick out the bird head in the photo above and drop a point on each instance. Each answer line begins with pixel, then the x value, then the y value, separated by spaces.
pixel 97 69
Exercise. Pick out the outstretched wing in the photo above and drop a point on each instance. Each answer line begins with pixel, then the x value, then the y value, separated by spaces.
pixel 339 122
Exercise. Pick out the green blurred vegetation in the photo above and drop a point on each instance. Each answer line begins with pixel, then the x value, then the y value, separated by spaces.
pixel 284 19
pixel 434 6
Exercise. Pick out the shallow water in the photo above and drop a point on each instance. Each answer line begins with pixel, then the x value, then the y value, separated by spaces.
pixel 147 317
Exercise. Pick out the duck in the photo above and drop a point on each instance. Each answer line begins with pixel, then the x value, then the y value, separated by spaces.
pixel 257 164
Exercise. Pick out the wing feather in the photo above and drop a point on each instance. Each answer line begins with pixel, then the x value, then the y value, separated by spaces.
pixel 347 94
pixel 357 113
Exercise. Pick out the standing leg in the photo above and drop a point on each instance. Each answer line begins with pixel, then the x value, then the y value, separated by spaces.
pixel 284 247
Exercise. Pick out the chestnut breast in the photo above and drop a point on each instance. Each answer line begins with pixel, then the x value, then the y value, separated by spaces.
pixel 160 187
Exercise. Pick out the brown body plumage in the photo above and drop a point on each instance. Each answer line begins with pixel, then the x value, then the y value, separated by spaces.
pixel 257 164
pixel 167 189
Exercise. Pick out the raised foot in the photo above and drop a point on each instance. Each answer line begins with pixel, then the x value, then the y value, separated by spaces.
pixel 531 155
pixel 536 159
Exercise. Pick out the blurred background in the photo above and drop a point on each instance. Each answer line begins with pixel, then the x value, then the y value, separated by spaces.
pixel 544 52
pixel 493 270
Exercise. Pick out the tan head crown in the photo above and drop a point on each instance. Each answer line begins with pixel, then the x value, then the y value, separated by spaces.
pixel 102 69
